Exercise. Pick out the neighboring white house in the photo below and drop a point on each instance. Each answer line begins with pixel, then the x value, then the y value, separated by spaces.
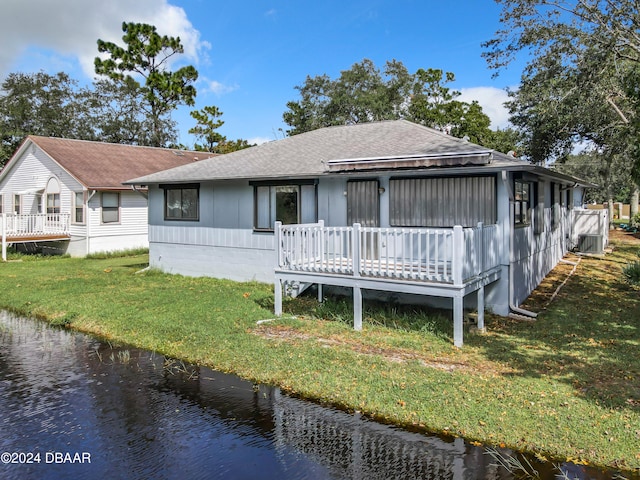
pixel 69 194
pixel 383 206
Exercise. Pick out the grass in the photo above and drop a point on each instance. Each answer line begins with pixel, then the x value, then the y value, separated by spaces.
pixel 566 386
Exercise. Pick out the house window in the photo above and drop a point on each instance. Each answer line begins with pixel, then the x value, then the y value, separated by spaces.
pixel 289 203
pixel 522 203
pixel 17 202
pixel 181 202
pixel 1 205
pixel 53 203
pixel 555 205
pixel 78 207
pixel 538 208
pixel 110 207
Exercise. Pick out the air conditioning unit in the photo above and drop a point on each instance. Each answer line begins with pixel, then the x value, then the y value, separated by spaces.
pixel 590 244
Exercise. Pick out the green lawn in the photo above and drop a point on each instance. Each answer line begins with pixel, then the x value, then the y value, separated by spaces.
pixel 566 386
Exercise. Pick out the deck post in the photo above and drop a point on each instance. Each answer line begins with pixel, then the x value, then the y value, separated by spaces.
pixel 458 255
pixel 355 249
pixel 480 247
pixel 320 293
pixel 457 321
pixel 3 220
pixel 481 327
pixel 277 287
pixel 277 240
pixel 357 308
pixel 277 300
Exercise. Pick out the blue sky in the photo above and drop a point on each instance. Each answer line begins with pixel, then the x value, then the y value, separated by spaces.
pixel 251 54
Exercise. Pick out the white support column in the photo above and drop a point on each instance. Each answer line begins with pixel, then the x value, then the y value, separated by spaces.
pixel 457 321
pixel 277 240
pixel 481 327
pixel 277 300
pixel 320 293
pixel 3 226
pixel 480 253
pixel 458 255
pixel 357 308
pixel 355 249
pixel 277 287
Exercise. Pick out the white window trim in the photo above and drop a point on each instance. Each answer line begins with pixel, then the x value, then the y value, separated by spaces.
pixel 117 222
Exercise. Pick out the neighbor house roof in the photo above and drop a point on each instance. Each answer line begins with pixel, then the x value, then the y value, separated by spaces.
pixel 364 147
pixel 99 165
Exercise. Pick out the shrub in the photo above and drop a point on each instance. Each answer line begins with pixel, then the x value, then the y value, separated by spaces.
pixel 632 273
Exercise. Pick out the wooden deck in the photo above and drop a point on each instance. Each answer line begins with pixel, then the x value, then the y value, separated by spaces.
pixel 29 228
pixel 435 262
pixel 37 238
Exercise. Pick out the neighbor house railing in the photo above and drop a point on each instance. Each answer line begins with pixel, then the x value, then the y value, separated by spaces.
pixel 34 225
pixel 448 255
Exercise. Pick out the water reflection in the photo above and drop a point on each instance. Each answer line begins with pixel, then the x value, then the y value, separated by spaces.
pixel 139 415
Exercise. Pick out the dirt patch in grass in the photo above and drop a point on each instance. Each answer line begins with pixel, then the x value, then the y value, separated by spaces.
pixel 622 237
pixel 397 355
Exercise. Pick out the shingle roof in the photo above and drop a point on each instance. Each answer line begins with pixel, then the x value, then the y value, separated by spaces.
pixel 308 154
pixel 99 165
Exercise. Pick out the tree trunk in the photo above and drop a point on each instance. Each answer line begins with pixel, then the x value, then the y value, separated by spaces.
pixel 610 205
pixel 635 198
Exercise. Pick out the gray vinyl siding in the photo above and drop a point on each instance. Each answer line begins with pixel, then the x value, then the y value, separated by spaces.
pixel 442 202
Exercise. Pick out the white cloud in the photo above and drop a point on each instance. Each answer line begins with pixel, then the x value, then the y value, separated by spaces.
pixel 216 87
pixel 70 29
pixel 259 140
pixel 491 100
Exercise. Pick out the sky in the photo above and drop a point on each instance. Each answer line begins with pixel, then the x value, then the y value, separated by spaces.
pixel 251 54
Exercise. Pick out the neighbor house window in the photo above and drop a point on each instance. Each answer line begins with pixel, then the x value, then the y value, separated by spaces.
pixel 289 203
pixel 1 205
pixel 78 207
pixel 53 203
pixel 522 202
pixel 181 202
pixel 17 201
pixel 110 207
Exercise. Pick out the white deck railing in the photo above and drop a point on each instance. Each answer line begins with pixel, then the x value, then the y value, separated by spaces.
pixel 35 225
pixel 448 255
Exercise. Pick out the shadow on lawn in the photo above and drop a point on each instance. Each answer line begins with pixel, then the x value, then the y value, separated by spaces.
pixel 588 337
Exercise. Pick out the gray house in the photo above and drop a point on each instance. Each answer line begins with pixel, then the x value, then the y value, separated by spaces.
pixel 386 206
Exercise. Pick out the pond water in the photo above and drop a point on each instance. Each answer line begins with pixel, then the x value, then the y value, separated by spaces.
pixel 72 406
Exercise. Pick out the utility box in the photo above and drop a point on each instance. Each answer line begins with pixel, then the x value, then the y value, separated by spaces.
pixel 590 244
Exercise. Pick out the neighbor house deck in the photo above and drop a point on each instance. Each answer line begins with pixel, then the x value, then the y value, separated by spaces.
pixel 40 227
pixel 441 262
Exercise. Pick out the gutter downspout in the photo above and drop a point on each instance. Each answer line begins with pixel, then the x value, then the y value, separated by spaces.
pixel 512 305
pixel 88 227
